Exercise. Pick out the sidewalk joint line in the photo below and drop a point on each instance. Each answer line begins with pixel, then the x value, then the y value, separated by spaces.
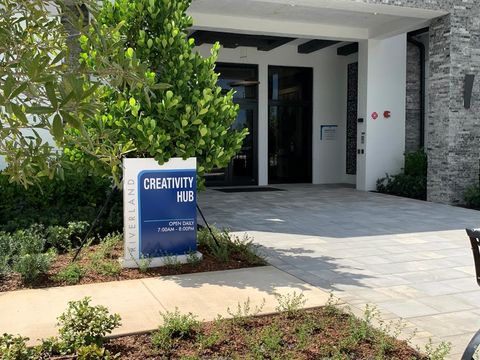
pixel 153 295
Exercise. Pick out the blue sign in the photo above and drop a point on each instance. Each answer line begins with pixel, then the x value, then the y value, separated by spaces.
pixel 167 212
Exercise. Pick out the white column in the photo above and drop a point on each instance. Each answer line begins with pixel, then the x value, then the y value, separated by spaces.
pixel 263 124
pixel 382 87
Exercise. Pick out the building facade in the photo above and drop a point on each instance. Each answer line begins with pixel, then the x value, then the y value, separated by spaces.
pixel 338 90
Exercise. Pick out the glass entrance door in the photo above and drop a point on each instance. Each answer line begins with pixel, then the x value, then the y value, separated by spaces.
pixel 242 170
pixel 290 125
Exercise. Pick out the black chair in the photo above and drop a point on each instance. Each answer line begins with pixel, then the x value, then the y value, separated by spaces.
pixel 474 235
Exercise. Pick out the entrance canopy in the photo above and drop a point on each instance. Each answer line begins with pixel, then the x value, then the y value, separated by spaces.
pixel 344 20
pixel 352 123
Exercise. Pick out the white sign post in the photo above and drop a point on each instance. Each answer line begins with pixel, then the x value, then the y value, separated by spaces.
pixel 160 219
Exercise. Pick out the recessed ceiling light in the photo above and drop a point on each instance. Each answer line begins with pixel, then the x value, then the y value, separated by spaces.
pixel 375 13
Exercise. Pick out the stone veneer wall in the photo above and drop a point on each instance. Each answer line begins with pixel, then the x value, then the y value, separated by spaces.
pixel 352 116
pixel 413 103
pixel 453 132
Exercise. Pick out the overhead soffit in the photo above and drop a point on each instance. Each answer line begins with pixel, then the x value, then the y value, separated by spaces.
pixel 343 13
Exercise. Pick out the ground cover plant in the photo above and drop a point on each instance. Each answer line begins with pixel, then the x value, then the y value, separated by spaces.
pixel 44 265
pixel 320 333
pixel 293 333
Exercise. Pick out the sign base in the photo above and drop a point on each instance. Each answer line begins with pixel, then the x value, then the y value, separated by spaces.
pixel 160 261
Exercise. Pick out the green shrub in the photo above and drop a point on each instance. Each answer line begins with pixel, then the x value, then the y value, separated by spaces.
pixel 472 197
pixel 269 344
pixel 246 250
pixel 32 266
pixel 50 346
pixel 8 249
pixel 102 261
pixel 31 251
pixel 171 261
pixel 290 304
pixel 193 258
pixel 219 247
pixel 65 238
pixel 416 163
pixel 244 312
pixel 71 274
pixel 94 352
pixel 15 348
pixel 224 245
pixel 107 245
pixel 412 182
pixel 106 267
pixel 57 202
pixel 82 324
pixel 439 352
pixel 31 260
pixel 144 264
pixel 175 326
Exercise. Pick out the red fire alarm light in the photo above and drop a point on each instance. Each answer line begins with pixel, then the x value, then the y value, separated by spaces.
pixel 374 115
pixel 387 114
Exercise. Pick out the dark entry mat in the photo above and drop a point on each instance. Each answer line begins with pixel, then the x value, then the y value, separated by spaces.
pixel 248 189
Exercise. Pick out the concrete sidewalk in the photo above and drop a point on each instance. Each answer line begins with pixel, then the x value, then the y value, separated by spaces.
pixel 33 313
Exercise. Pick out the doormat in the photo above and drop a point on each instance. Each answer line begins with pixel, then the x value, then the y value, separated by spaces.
pixel 248 189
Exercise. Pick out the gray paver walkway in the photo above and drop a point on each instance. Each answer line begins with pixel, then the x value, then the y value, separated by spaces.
pixel 410 258
pixel 33 313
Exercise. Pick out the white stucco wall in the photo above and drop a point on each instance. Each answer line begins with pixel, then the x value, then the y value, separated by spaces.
pixel 382 86
pixel 329 104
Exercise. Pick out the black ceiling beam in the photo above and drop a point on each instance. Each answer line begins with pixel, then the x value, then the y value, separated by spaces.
pixel 232 40
pixel 274 43
pixel 419 31
pixel 315 45
pixel 348 49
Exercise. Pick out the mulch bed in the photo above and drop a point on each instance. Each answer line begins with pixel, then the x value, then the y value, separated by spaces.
pixel 330 339
pixel 11 282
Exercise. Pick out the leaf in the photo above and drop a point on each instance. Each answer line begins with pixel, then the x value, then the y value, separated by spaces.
pixel 67 98
pixel 185 123
pixel 57 127
pixel 40 110
pixel 61 174
pixel 147 98
pixel 129 53
pixel 18 90
pixel 71 120
pixel 52 96
pixel 203 111
pixel 8 86
pixel 58 58
pixel 132 102
pixel 18 111
pixel 203 131
pixel 90 91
